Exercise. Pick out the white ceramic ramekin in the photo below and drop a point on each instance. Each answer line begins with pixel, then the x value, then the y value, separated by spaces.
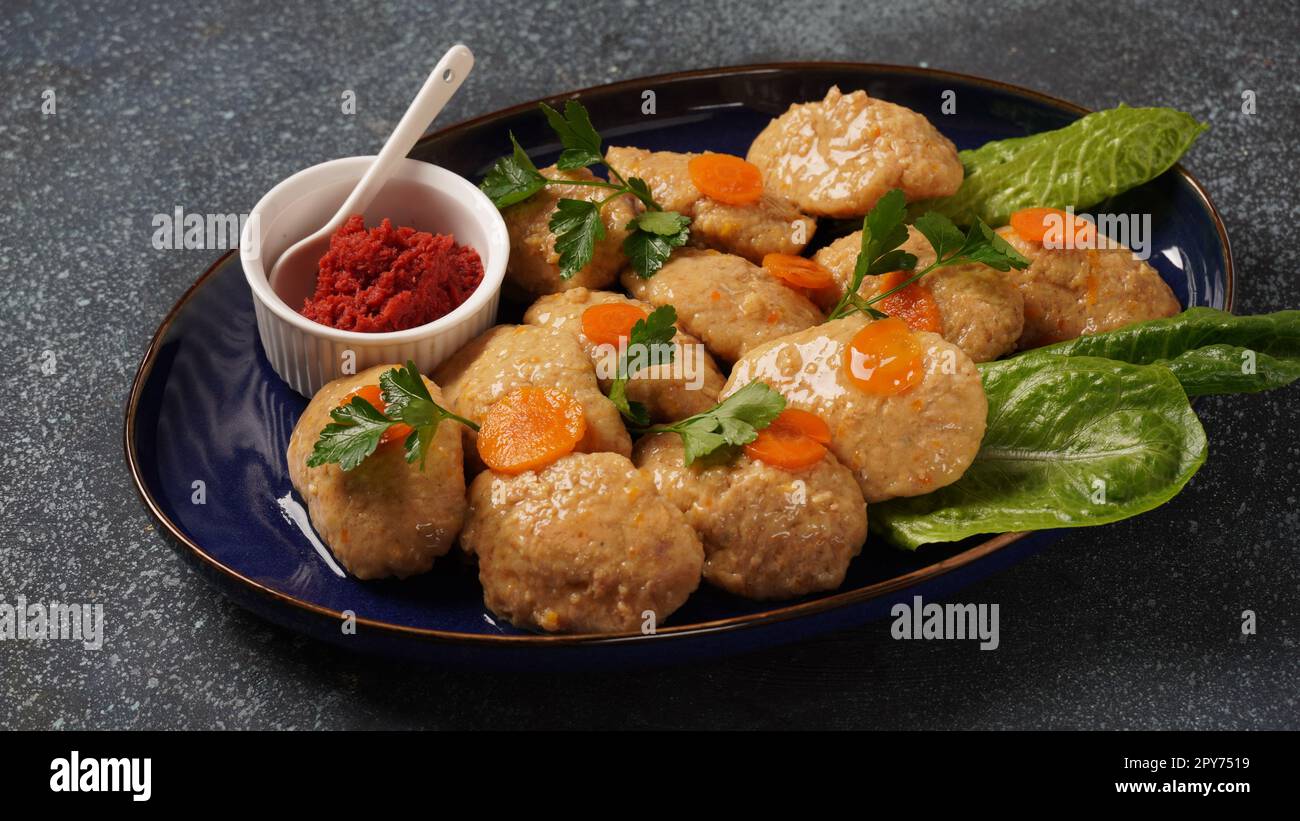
pixel 307 354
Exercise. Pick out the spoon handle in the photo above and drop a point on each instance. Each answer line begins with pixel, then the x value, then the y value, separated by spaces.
pixel 443 81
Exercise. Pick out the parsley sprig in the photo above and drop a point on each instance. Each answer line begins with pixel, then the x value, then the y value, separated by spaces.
pixel 650 339
pixel 735 421
pixel 358 426
pixel 884 229
pixel 577 224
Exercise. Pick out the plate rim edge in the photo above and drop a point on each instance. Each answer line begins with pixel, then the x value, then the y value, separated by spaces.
pixel 697 629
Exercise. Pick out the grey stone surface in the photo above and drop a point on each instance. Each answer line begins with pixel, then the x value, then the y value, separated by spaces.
pixel 206 105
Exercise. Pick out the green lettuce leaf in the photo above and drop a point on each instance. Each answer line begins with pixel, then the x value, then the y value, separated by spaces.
pixel 1209 351
pixel 1096 157
pixel 1072 441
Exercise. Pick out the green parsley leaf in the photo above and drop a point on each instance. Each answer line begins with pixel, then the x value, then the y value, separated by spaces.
pixel 640 189
pixel 576 224
pixel 654 235
pixel 883 230
pixel 651 339
pixel 408 402
pixel 580 140
pixel 734 421
pixel 633 411
pixel 663 223
pixel 577 227
pixel 417 444
pixel 656 329
pixel 700 442
pixel 359 426
pixel 981 244
pixel 406 396
pixel 351 437
pixel 647 252
pixel 513 179
pixel 944 237
pixel 892 261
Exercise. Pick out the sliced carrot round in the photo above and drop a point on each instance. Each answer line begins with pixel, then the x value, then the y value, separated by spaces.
pixel 914 304
pixel 370 393
pixel 885 358
pixel 796 439
pixel 805 422
pixel 785 447
pixel 800 272
pixel 726 178
pixel 1063 229
pixel 375 396
pixel 608 323
pixel 529 428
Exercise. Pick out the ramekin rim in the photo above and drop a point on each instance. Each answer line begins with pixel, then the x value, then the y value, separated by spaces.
pixel 493 270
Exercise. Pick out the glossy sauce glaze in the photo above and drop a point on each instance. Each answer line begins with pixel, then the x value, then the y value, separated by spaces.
pixel 727 301
pixel 978 309
pixel 769 224
pixel 516 356
pixel 689 385
pixel 838 156
pixel 901 444
pixel 1069 292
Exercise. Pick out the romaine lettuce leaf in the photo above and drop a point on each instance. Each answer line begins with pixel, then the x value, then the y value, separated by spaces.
pixel 1072 441
pixel 1098 156
pixel 1210 351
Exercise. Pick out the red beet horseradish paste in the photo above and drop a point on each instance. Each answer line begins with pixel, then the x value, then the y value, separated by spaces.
pixel 390 279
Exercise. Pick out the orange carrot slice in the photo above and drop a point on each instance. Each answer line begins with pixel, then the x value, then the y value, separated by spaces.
pixel 373 395
pixel 885 358
pixel 805 422
pixel 529 428
pixel 726 178
pixel 1034 224
pixel 785 449
pixel 607 324
pixel 795 440
pixel 800 272
pixel 914 304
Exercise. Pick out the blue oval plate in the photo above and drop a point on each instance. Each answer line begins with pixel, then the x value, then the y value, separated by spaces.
pixel 206 407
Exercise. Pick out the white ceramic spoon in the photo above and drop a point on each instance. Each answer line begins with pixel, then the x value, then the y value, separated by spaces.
pixel 434 94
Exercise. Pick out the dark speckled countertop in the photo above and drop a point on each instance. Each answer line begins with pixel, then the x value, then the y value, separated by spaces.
pixel 206 105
